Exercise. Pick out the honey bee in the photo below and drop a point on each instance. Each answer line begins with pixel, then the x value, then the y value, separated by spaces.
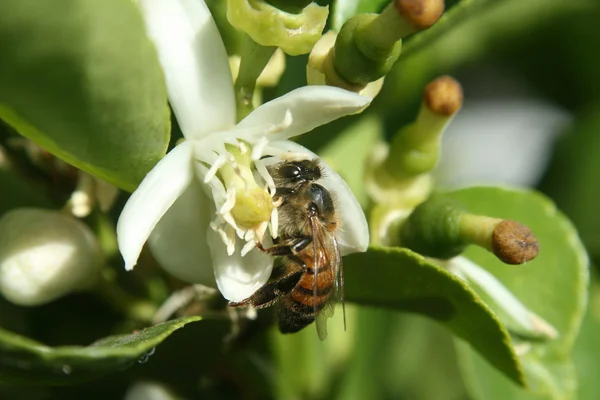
pixel 311 274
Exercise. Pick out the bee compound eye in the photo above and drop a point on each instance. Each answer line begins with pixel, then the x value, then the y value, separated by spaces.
pixel 290 171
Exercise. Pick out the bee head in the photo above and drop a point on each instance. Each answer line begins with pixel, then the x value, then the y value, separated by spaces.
pixel 295 173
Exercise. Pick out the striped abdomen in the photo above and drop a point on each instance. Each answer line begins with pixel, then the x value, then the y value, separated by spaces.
pixel 299 307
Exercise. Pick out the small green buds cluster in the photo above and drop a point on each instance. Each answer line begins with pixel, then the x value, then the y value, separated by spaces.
pixel 440 228
pixel 45 255
pixel 293 26
pixel 368 45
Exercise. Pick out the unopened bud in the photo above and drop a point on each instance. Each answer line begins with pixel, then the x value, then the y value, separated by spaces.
pixel 368 45
pixel 320 69
pixel 440 228
pixel 443 96
pixel 421 14
pixel 415 149
pixel 514 243
pixel 45 255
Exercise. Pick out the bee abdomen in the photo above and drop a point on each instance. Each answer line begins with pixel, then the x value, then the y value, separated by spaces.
pixel 293 318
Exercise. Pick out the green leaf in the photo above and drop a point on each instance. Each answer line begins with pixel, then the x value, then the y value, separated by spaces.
pixel 24 361
pixel 345 9
pixel 81 79
pixel 587 348
pixel 403 280
pixel 553 286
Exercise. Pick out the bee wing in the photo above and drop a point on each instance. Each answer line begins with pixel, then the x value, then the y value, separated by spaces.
pixel 321 258
pixel 321 320
pixel 338 266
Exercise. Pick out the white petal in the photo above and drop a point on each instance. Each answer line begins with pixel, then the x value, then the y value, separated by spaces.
pixel 194 62
pixel 151 200
pixel 310 106
pixel 238 277
pixel 354 233
pixel 178 241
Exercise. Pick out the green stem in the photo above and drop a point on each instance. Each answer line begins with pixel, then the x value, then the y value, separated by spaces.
pixel 381 35
pixel 254 59
pixel 136 309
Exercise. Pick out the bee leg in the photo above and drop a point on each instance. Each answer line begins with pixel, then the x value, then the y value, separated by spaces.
pixel 269 294
pixel 287 249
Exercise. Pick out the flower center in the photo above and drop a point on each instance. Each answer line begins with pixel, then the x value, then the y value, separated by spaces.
pixel 245 207
pixel 253 204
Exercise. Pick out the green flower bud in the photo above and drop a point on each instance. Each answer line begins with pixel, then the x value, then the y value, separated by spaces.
pixel 415 149
pixel 368 45
pixel 320 69
pixel 45 255
pixel 398 175
pixel 440 228
pixel 269 26
pixel 433 229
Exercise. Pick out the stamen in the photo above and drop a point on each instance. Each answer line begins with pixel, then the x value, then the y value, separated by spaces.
pixel 260 231
pixel 243 148
pixel 248 247
pixel 257 150
pixel 283 125
pixel 275 218
pixel 229 203
pixel 219 162
pixel 227 236
pixel 264 174
pixel 231 221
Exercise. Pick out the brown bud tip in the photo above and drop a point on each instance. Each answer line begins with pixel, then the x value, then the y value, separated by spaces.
pixel 514 243
pixel 443 96
pixel 420 13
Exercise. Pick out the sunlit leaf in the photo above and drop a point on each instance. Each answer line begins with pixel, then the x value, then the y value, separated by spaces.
pixel 81 79
pixel 24 361
pixel 403 280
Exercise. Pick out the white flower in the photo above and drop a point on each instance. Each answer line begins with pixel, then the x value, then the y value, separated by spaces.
pixel 214 187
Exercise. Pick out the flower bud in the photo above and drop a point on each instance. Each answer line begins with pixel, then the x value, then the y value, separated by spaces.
pixel 45 255
pixel 320 69
pixel 415 149
pixel 368 45
pixel 440 228
pixel 267 25
pixel 398 175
